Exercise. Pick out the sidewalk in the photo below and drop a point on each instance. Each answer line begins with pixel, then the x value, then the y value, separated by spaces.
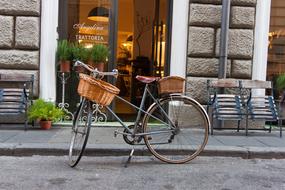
pixel 14 141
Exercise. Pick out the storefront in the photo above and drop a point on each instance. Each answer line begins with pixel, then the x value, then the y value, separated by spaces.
pixel 175 37
pixel 138 34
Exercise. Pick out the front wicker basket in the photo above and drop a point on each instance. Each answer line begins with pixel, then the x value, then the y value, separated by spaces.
pixel 96 90
pixel 171 84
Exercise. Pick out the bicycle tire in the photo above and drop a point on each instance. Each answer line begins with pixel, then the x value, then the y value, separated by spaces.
pixel 80 132
pixel 186 139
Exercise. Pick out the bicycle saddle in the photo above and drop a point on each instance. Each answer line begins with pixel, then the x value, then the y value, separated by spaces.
pixel 146 79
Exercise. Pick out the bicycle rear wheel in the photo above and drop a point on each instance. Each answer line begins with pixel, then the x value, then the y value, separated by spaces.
pixel 179 131
pixel 80 132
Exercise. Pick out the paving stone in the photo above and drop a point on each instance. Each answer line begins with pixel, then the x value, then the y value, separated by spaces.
pixel 224 143
pixel 32 137
pixel 5 135
pixel 270 140
pixel 241 141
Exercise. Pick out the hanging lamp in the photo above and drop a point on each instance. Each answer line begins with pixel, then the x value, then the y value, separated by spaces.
pixel 100 14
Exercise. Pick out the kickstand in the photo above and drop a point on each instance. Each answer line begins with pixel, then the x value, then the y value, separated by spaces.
pixel 130 157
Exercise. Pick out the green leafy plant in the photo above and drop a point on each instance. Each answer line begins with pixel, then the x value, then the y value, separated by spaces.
pixel 43 110
pixel 99 53
pixel 280 82
pixel 64 51
pixel 79 52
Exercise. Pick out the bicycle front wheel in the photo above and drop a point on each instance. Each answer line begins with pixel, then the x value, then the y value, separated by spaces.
pixel 80 132
pixel 177 129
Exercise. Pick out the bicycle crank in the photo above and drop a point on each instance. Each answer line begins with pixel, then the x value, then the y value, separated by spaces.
pixel 129 138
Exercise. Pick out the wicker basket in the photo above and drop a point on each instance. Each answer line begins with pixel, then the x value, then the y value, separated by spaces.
pixel 171 84
pixel 96 90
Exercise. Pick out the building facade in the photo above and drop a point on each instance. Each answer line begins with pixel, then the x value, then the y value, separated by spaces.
pixel 184 41
pixel 20 33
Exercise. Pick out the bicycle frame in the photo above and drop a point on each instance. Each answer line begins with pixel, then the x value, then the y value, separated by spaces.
pixel 114 73
pixel 136 123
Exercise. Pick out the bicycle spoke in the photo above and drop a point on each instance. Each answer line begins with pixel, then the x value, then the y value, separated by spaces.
pixel 188 135
pixel 80 132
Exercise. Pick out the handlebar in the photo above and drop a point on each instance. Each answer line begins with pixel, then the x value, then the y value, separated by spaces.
pixel 95 72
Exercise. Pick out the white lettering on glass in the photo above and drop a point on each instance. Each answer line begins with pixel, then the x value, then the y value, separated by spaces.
pixel 89 37
pixel 82 26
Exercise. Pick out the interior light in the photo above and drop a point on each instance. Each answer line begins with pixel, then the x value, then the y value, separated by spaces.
pixel 100 14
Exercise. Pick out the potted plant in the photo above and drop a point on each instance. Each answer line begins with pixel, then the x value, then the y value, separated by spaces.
pixel 79 52
pixel 44 112
pixel 99 54
pixel 64 55
pixel 280 84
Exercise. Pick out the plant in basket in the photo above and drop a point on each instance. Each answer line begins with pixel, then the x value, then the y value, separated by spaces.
pixel 44 112
pixel 99 54
pixel 79 52
pixel 64 55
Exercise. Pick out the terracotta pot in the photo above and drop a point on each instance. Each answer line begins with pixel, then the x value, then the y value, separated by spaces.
pixel 99 66
pixel 45 124
pixel 65 66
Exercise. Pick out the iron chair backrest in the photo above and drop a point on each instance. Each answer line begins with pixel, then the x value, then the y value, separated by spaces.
pixel 260 107
pixel 225 105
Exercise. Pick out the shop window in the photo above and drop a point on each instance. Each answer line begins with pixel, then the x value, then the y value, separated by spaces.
pixel 276 43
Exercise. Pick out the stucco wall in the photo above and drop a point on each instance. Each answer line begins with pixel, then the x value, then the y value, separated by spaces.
pixel 204 38
pixel 20 37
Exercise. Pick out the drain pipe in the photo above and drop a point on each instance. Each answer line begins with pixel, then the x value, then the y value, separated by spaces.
pixel 225 22
pixel 226 9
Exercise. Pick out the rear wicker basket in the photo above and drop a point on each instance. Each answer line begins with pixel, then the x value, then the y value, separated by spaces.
pixel 96 90
pixel 171 84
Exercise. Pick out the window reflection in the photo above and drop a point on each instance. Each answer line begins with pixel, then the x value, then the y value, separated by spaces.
pixel 276 41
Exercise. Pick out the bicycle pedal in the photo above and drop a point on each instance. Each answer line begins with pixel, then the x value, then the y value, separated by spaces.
pixel 149 138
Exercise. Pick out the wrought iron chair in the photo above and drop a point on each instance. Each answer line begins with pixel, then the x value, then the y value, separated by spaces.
pixel 16 93
pixel 260 107
pixel 225 106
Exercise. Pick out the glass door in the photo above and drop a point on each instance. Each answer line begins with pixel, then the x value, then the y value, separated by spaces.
pixel 142 33
pixel 83 23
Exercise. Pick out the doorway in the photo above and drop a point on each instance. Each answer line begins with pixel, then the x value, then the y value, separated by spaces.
pixel 136 33
pixel 142 43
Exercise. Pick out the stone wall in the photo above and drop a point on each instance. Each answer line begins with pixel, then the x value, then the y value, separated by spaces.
pixel 204 43
pixel 20 37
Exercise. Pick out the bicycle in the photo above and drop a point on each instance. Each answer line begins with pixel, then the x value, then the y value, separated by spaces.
pixel 174 127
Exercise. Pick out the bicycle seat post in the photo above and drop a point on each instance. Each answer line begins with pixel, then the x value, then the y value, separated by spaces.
pixel 141 105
